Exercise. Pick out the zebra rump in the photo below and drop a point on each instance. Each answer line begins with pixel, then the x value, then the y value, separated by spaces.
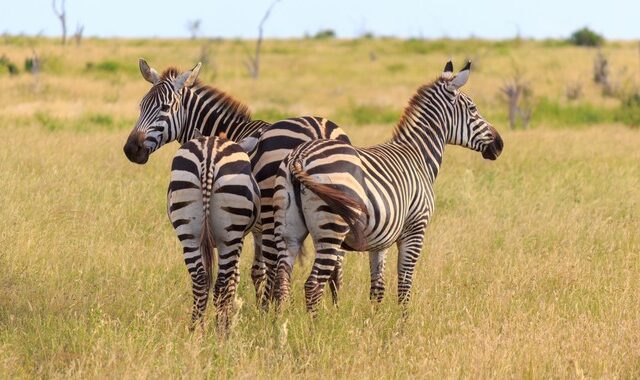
pixel 212 176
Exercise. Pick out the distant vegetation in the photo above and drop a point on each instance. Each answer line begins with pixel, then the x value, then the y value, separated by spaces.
pixel 324 34
pixel 586 37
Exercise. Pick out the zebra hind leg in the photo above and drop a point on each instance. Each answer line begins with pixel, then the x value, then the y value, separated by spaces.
pixel 335 281
pixel 377 262
pixel 327 258
pixel 200 289
pixel 225 288
pixel 290 231
pixel 258 268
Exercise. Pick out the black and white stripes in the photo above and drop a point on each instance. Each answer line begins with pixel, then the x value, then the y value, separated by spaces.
pixel 349 198
pixel 212 202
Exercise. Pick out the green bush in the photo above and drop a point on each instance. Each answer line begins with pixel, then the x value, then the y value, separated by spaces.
pixel 586 37
pixel 629 111
pixel 9 66
pixel 325 34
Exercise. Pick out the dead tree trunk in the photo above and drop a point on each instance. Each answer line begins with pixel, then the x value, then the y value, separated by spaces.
pixel 253 63
pixel 518 94
pixel 62 16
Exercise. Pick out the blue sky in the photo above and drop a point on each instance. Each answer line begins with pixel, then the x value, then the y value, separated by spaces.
pixel 616 19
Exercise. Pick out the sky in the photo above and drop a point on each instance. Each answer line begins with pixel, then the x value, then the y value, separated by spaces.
pixel 493 19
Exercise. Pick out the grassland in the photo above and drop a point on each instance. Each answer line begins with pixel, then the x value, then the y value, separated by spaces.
pixel 530 267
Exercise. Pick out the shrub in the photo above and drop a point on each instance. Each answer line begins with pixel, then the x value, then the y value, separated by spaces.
pixel 11 67
pixel 586 37
pixel 325 34
pixel 629 111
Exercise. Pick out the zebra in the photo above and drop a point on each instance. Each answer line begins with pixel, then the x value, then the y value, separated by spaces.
pixel 272 147
pixel 351 198
pixel 213 201
pixel 179 107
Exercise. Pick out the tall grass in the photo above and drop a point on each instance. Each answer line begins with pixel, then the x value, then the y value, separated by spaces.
pixel 530 267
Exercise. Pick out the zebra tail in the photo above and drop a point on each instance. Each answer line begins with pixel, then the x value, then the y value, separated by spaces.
pixel 339 202
pixel 207 247
pixel 207 242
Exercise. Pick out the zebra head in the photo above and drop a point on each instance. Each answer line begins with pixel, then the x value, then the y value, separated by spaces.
pixel 162 114
pixel 466 126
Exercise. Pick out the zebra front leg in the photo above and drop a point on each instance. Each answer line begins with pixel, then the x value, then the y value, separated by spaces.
pixel 409 250
pixel 377 262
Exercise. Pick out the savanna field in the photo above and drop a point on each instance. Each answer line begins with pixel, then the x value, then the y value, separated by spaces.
pixel 530 267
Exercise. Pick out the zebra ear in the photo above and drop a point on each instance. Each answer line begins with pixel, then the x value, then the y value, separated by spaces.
pixel 447 73
pixel 187 79
pixel 147 72
pixel 197 134
pixel 462 77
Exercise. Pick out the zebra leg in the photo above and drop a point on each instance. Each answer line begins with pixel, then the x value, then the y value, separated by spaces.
pixel 377 262
pixel 200 289
pixel 327 257
pixel 269 251
pixel 409 249
pixel 335 281
pixel 226 285
pixel 186 213
pixel 290 232
pixel 258 269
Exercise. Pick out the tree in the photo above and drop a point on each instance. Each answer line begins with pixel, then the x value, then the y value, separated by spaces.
pixel 62 16
pixel 586 37
pixel 518 94
pixel 193 26
pixel 253 63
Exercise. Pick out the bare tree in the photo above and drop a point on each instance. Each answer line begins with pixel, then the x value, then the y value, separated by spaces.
pixel 518 95
pixel 193 26
pixel 62 16
pixel 253 63
pixel 77 36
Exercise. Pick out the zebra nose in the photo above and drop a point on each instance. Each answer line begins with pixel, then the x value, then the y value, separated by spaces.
pixel 134 148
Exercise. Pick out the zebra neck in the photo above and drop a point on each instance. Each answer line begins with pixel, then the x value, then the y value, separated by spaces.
pixel 210 112
pixel 425 135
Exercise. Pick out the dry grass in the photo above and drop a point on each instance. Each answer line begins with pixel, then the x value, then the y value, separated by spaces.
pixel 530 267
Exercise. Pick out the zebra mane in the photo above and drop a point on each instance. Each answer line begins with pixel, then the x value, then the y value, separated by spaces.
pixel 226 102
pixel 415 103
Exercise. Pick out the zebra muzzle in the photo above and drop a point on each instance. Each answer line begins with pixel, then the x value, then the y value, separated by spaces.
pixel 135 150
pixel 492 151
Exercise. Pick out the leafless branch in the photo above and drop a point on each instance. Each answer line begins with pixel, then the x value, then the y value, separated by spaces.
pixel 253 64
pixel 194 28
pixel 62 16
pixel 518 93
pixel 77 36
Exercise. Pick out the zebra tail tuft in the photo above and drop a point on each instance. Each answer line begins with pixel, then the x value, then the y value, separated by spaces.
pixel 341 203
